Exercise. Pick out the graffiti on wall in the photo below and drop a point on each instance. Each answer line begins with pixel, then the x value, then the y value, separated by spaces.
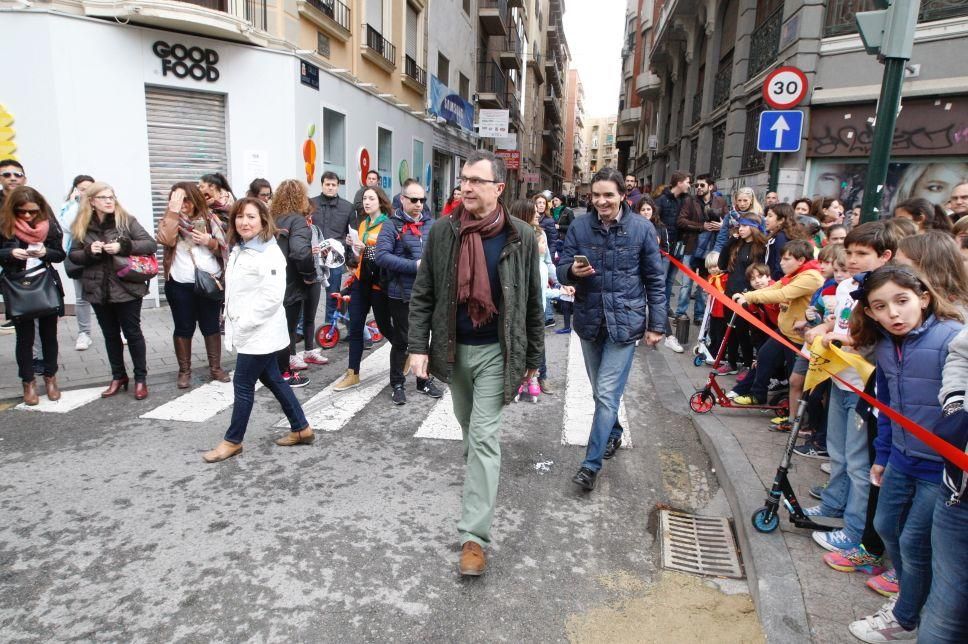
pixel 844 179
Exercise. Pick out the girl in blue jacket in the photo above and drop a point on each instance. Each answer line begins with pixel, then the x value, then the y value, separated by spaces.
pixel 910 328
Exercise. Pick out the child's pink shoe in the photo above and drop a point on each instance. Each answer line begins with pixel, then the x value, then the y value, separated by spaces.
pixel 522 390
pixel 884 584
pixel 534 390
pixel 855 560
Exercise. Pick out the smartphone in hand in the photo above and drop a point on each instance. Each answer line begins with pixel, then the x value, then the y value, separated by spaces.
pixel 581 260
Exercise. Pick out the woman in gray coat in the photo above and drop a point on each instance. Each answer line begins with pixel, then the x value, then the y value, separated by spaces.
pixel 102 231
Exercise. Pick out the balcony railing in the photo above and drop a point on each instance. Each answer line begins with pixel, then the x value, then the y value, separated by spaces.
pixel 839 19
pixel 334 10
pixel 724 81
pixel 493 16
pixel 382 46
pixel 414 71
pixel 491 80
pixel 765 43
pixel 753 159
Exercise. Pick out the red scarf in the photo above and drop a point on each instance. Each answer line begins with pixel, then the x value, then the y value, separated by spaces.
pixel 809 265
pixel 35 235
pixel 473 283
pixel 412 227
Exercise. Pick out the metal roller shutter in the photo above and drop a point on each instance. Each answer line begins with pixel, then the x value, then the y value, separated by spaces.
pixel 186 139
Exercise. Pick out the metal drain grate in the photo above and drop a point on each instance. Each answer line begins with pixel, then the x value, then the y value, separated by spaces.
pixel 698 545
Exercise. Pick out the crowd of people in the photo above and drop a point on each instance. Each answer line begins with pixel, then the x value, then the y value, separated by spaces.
pixel 466 299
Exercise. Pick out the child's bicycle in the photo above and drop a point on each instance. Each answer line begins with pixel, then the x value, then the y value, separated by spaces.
pixel 327 336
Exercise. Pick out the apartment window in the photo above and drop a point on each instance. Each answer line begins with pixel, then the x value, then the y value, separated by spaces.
pixel 467 7
pixel 464 85
pixel 334 143
pixel 384 152
pixel 443 69
pixel 412 22
pixel 418 159
pixel 322 44
pixel 374 14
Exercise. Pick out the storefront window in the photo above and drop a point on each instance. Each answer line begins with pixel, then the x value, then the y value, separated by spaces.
pixel 384 156
pixel 418 161
pixel 334 143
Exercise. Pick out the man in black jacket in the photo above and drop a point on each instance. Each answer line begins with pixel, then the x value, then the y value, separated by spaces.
pixel 669 204
pixel 334 216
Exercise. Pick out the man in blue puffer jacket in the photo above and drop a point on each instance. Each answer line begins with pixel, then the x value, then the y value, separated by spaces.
pixel 398 251
pixel 619 297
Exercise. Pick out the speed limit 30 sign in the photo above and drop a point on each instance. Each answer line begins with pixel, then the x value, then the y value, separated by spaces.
pixel 784 88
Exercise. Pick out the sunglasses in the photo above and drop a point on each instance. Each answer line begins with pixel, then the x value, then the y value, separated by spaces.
pixel 416 199
pixel 11 173
pixel 27 211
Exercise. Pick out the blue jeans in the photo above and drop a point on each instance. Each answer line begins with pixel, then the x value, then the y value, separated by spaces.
pixel 666 267
pixel 248 369
pixel 335 282
pixel 850 463
pixel 685 292
pixel 607 364
pixel 945 615
pixel 905 508
pixel 670 279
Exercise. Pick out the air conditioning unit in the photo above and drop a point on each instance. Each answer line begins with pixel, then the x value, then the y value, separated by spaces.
pixel 653 142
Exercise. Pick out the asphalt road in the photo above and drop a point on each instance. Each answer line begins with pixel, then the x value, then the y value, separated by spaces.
pixel 114 529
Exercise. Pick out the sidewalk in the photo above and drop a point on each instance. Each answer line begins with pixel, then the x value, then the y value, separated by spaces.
pixel 90 368
pixel 798 597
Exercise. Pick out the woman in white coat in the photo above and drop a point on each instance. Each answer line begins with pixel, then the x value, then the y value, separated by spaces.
pixel 255 325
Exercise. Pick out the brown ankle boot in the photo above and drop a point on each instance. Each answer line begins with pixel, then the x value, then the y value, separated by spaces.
pixel 223 451
pixel 30 393
pixel 213 347
pixel 53 392
pixel 183 353
pixel 472 560
pixel 304 436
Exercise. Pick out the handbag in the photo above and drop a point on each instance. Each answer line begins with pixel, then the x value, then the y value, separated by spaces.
pixel 207 285
pixel 136 268
pixel 72 270
pixel 32 293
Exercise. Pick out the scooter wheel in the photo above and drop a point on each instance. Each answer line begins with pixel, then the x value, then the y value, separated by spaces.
pixel 696 351
pixel 375 334
pixel 701 402
pixel 698 361
pixel 765 521
pixel 323 337
pixel 782 401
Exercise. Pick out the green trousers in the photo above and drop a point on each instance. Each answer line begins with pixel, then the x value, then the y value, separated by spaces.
pixel 477 389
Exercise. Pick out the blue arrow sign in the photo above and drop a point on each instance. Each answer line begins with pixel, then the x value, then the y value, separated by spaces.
pixel 780 131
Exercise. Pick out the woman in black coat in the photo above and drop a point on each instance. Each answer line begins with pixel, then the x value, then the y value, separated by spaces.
pixel 30 238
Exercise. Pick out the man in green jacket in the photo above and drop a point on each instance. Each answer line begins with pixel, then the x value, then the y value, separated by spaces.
pixel 477 322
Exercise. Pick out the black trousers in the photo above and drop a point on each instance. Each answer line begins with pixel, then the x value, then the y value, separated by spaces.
pixel 363 297
pixel 309 306
pixel 25 346
pixel 293 312
pixel 113 318
pixel 397 336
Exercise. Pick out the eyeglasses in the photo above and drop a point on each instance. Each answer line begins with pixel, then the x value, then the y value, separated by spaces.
pixel 415 199
pixel 106 198
pixel 27 211
pixel 9 174
pixel 265 195
pixel 476 181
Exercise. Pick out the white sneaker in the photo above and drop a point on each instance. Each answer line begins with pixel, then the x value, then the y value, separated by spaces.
pixel 673 344
pixel 83 342
pixel 314 357
pixel 296 363
pixel 124 340
pixel 731 394
pixel 825 467
pixel 881 627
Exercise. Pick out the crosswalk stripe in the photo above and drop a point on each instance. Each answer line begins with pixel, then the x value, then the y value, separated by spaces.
pixel 330 410
pixel 198 405
pixel 441 422
pixel 579 404
pixel 70 400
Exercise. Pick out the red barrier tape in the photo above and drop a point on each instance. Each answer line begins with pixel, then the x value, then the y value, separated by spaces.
pixel 942 447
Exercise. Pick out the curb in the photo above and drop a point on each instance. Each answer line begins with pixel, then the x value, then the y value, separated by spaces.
pixel 773 581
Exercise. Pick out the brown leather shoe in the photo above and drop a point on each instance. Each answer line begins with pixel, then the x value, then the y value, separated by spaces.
pixel 30 393
pixel 140 390
pixel 183 353
pixel 53 393
pixel 115 387
pixel 304 436
pixel 472 560
pixel 223 451
pixel 213 347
